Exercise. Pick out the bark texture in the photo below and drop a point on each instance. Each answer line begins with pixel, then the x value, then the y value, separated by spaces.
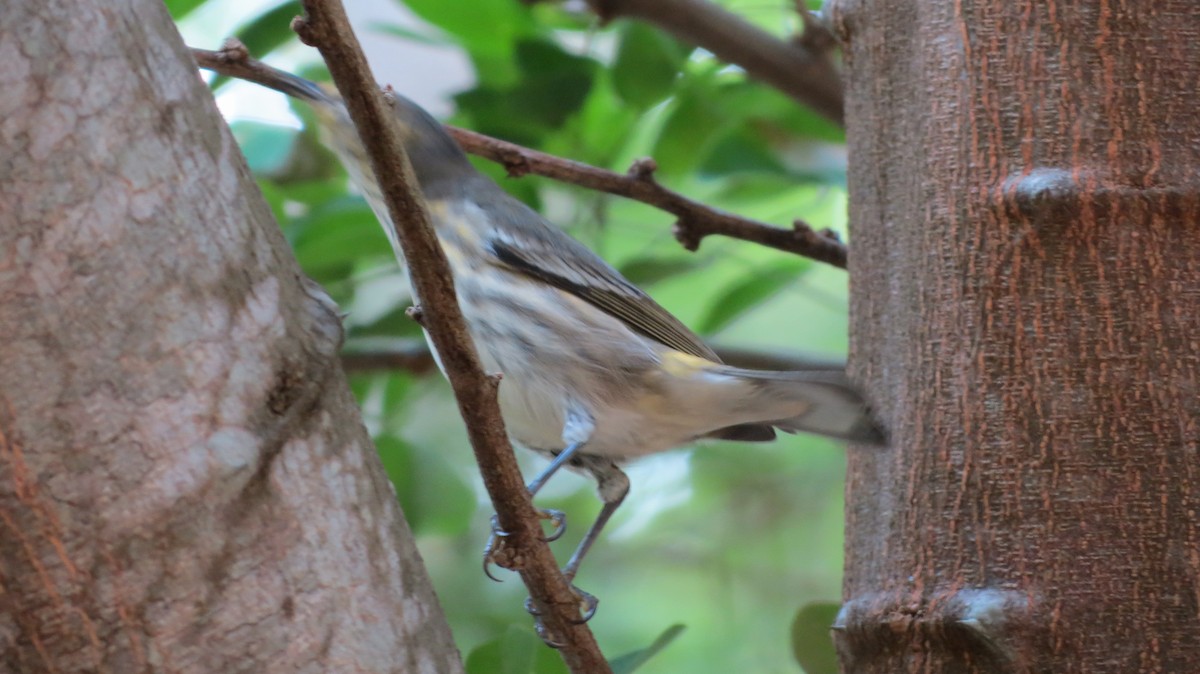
pixel 1026 304
pixel 185 484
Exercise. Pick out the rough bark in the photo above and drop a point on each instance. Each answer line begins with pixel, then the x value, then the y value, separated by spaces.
pixel 185 484
pixel 1026 284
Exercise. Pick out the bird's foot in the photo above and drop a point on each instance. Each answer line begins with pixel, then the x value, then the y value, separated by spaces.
pixel 587 608
pixel 499 554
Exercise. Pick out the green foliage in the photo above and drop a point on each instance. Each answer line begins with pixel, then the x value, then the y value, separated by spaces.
pixel 269 30
pixel 750 292
pixel 730 538
pixel 331 238
pixel 266 146
pixel 630 662
pixel 488 29
pixel 552 86
pixel 519 651
pixel 810 638
pixel 646 65
pixel 181 8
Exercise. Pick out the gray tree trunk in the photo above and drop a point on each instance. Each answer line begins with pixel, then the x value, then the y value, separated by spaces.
pixel 185 483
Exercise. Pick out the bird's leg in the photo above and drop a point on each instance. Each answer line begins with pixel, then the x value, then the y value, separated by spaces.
pixel 613 486
pixel 576 432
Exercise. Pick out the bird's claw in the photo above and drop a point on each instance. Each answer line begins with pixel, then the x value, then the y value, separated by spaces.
pixel 558 518
pixel 487 561
pixel 494 553
pixel 588 603
pixel 493 548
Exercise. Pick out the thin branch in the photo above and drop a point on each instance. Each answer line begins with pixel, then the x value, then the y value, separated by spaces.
pixel 327 28
pixel 796 68
pixel 695 220
pixel 413 357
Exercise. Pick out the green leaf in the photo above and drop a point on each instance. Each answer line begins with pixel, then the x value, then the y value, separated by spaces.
pixel 181 8
pixel 749 101
pixel 646 64
pixel 486 28
pixel 689 133
pixel 317 194
pixel 750 292
pixel 517 652
pixel 275 198
pixel 485 658
pixel 629 662
pixel 408 34
pixel 549 662
pixel 552 87
pixel 266 146
pixel 271 29
pixel 434 498
pixel 603 126
pixel 336 235
pixel 742 151
pixel 811 643
pixel 647 270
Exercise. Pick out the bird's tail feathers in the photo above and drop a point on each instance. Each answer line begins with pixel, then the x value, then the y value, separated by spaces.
pixel 818 401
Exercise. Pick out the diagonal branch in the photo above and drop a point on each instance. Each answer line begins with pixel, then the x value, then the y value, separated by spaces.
pixel 327 28
pixel 695 220
pixel 796 68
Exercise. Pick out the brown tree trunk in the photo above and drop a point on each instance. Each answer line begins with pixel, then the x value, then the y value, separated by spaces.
pixel 1026 305
pixel 185 484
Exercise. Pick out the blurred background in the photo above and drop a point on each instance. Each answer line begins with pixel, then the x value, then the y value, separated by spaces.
pixel 740 544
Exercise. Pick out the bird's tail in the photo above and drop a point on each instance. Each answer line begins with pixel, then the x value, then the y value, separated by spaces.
pixel 821 402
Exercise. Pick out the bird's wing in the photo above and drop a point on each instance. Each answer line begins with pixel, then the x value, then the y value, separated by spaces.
pixel 542 251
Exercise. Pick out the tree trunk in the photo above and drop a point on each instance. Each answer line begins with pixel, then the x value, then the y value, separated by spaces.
pixel 185 484
pixel 1026 305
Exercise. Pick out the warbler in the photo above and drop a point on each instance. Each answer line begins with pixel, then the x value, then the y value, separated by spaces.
pixel 595 372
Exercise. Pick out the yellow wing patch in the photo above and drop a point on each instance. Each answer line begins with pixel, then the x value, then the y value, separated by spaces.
pixel 679 364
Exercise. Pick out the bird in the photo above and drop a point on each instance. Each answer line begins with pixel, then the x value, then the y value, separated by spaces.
pixel 595 373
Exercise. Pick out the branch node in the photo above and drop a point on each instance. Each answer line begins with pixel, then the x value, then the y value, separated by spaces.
pixel 515 163
pixel 389 95
pixel 812 236
pixel 998 623
pixel 686 235
pixel 416 314
pixel 643 169
pixel 818 37
pixel 303 29
pixel 234 51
